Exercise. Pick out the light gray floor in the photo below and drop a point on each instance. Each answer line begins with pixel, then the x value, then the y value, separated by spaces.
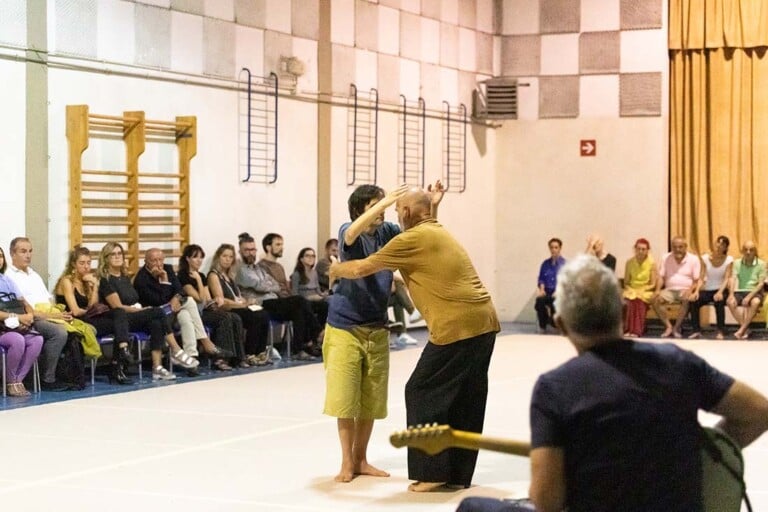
pixel 259 442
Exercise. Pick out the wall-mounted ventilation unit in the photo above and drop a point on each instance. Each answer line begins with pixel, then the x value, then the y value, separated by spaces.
pixel 495 98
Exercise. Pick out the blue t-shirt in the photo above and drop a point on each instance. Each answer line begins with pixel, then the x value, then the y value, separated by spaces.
pixel 8 286
pixel 362 301
pixel 625 414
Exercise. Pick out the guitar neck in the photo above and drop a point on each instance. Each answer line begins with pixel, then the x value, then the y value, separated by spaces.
pixel 473 441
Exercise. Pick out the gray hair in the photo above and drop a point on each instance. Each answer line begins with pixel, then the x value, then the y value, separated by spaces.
pixel 588 298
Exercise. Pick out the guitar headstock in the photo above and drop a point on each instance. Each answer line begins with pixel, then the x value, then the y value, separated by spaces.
pixel 431 439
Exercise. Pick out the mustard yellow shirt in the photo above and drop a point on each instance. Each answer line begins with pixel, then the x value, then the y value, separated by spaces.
pixel 442 281
pixel 637 279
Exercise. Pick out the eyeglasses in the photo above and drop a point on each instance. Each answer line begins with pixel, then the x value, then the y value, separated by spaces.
pixel 309 256
pixel 116 253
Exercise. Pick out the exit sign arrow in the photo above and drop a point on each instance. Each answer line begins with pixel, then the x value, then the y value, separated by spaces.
pixel 588 147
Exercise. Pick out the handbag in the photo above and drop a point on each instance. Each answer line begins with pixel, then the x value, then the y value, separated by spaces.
pixel 96 309
pixel 10 304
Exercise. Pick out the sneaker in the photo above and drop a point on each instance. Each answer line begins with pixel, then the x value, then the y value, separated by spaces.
pixel 415 317
pixel 184 360
pixel 274 355
pixel 395 326
pixel 160 373
pixel 405 339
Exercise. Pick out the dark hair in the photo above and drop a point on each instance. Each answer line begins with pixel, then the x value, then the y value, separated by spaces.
pixel 331 242
pixel 267 240
pixel 725 240
pixel 303 278
pixel 361 197
pixel 559 242
pixel 244 238
pixel 16 241
pixel 188 252
pixel 5 262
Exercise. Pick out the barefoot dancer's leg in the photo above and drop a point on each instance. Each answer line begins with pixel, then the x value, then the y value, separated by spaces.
pixel 363 429
pixel 346 427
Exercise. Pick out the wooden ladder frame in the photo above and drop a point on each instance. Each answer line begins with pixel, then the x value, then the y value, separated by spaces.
pixel 125 227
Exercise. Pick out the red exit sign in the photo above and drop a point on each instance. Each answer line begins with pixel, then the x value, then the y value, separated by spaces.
pixel 588 147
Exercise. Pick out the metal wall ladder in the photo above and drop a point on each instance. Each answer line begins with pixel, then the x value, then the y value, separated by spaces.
pixel 410 154
pixel 258 128
pixel 454 173
pixel 362 136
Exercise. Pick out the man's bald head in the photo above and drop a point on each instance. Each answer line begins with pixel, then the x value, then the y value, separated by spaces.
pixel 154 258
pixel 414 207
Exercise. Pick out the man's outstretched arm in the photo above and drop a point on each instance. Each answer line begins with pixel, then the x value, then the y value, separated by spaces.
pixel 355 269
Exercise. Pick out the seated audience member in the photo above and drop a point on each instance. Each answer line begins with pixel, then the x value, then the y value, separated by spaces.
pixel 117 291
pixel 331 252
pixel 227 327
pixel 597 441
pixel 33 292
pixel 226 293
pixel 596 247
pixel 400 301
pixel 639 285
pixel 545 307
pixel 717 277
pixel 304 282
pixel 259 284
pixel 749 274
pixel 22 346
pixel 678 283
pixel 78 290
pixel 157 286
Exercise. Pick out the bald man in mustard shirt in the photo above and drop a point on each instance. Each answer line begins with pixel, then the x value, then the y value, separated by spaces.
pixel 450 382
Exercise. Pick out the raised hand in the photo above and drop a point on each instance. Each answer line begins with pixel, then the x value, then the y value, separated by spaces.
pixel 437 191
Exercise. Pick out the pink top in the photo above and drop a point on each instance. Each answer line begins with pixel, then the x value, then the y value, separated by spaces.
pixel 680 276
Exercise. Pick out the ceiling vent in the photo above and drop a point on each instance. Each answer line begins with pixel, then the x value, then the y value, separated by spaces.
pixel 495 98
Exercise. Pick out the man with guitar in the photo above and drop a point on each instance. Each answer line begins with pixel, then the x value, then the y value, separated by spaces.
pixel 616 427
pixel 450 381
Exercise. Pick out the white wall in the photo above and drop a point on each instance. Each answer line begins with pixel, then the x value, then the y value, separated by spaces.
pixel 545 189
pixel 12 152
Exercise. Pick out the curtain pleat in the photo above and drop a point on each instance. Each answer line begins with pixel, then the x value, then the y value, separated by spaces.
pixel 719 121
pixel 699 24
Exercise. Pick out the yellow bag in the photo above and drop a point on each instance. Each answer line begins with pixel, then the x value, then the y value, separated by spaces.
pixel 91 347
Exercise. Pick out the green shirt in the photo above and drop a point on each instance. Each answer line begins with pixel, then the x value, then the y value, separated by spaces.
pixel 442 281
pixel 748 276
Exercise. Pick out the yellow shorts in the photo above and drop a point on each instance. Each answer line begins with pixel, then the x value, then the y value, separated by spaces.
pixel 356 365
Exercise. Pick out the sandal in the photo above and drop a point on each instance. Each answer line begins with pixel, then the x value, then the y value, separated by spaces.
pixel 222 365
pixel 185 360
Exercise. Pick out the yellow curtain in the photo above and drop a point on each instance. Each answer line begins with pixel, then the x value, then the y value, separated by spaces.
pixel 719 121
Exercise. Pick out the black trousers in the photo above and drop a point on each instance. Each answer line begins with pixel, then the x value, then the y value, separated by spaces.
pixel 226 330
pixel 545 310
pixel 449 386
pixel 256 324
pixel 115 322
pixel 708 297
pixel 298 310
pixel 153 321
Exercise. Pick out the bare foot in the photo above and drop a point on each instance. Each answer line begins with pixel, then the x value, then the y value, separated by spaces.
pixel 363 468
pixel 346 474
pixel 425 486
pixel 667 333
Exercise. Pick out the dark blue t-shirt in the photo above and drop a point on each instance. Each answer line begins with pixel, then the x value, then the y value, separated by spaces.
pixel 362 301
pixel 625 414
